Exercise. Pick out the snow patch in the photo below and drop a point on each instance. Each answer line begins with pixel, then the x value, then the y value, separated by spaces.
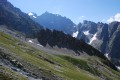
pixel 34 16
pixel 30 14
pixel 86 32
pixel 106 55
pixel 93 38
pixel 30 41
pixel 39 45
pixel 118 67
pixel 75 34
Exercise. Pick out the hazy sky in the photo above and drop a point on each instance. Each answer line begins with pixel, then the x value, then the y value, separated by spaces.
pixel 76 10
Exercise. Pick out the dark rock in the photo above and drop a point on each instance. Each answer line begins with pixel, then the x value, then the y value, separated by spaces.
pixel 15 19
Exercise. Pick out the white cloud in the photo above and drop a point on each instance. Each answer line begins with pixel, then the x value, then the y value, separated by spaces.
pixel 114 18
pixel 117 17
pixel 111 19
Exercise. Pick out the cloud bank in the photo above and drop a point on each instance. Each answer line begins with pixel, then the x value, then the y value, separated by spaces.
pixel 114 18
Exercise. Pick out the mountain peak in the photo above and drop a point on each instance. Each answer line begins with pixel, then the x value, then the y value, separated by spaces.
pixel 46 12
pixel 32 14
pixel 51 14
pixel 55 21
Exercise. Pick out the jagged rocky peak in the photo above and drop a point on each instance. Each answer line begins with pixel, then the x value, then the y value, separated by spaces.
pixel 56 21
pixel 49 14
pixel 87 25
pixel 86 22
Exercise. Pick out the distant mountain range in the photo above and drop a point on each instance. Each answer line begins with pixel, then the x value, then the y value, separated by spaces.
pixel 102 36
pixel 54 21
pixel 29 51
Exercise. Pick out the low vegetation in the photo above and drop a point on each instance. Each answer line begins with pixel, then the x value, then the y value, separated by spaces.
pixel 38 64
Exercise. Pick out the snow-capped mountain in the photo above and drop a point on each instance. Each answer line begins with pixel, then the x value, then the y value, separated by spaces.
pixel 102 36
pixel 95 34
pixel 29 52
pixel 32 15
pixel 54 21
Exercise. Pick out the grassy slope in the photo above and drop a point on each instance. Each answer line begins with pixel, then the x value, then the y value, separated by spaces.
pixel 48 65
pixel 8 74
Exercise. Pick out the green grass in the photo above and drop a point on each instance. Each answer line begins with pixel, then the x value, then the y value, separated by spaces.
pixel 36 61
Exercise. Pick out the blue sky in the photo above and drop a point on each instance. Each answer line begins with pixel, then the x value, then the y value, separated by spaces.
pixel 76 10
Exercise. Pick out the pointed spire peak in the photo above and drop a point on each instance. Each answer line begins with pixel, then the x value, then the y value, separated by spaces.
pixel 46 12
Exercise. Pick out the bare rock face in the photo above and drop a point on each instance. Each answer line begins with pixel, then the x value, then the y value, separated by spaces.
pixel 2 1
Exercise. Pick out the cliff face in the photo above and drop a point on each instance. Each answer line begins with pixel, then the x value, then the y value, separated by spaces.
pixel 102 36
pixel 15 19
pixel 3 1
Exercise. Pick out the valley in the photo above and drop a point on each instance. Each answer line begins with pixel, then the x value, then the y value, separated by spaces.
pixel 52 47
pixel 39 64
